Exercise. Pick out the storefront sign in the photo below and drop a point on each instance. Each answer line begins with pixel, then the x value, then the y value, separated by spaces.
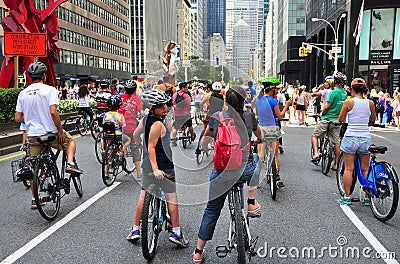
pixel 380 62
pixel 25 44
pixel 396 77
pixel 381 55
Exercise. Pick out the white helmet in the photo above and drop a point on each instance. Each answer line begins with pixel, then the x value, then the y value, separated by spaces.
pixel 217 86
pixel 152 98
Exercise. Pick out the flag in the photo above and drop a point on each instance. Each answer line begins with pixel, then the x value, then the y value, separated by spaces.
pixel 357 31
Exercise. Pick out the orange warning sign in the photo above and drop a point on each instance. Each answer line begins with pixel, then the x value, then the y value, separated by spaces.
pixel 25 44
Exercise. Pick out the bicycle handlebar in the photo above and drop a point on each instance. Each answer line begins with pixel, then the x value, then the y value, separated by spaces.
pixel 71 118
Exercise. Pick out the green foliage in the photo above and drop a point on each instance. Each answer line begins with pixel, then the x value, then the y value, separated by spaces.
pixel 8 101
pixel 66 106
pixel 201 70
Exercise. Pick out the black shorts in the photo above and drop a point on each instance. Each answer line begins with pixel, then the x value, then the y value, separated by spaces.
pixel 183 121
pixel 167 184
pixel 301 107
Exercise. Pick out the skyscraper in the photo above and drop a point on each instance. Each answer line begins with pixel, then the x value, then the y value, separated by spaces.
pixel 216 18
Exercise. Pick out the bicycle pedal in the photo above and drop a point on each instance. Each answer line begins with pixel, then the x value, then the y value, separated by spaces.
pixel 221 251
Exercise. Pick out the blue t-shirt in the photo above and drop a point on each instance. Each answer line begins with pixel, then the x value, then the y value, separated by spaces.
pixel 250 93
pixel 265 109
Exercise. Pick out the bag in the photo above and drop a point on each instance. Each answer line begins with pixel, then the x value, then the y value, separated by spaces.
pixel 129 110
pixel 179 98
pixel 227 151
pixel 378 105
pixel 168 92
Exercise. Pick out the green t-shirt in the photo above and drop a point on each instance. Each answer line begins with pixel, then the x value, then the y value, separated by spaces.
pixel 336 98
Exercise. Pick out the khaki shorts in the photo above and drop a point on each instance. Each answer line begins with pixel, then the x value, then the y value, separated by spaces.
pixel 136 149
pixel 35 148
pixel 271 131
pixel 334 131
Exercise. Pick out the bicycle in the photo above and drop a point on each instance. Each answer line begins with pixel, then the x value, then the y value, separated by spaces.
pixel 184 135
pixel 82 124
pixel 50 183
pixel 113 160
pixel 154 220
pixel 381 184
pixel 271 170
pixel 326 150
pixel 95 127
pixel 199 151
pixel 239 236
pixel 198 115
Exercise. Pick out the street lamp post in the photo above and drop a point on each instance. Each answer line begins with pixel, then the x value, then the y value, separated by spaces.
pixel 336 33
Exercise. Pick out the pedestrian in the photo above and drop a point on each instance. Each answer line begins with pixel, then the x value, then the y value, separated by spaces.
pixel 84 102
pixel 388 109
pixel 396 109
pixel 302 104
pixel 378 107
pixel 220 180
pixel 357 138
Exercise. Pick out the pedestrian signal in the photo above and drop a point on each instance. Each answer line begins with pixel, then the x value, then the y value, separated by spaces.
pixel 186 55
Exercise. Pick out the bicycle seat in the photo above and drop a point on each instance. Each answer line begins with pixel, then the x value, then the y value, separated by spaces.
pixel 46 139
pixel 377 149
pixel 239 183
pixel 109 128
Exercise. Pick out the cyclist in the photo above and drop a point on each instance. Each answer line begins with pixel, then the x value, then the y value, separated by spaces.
pixel 324 90
pixel 131 105
pixel 84 104
pixel 157 164
pixel 182 112
pixel 215 101
pixel 357 139
pixel 221 181
pixel 331 111
pixel 198 95
pixel 37 108
pixel 269 113
pixel 102 96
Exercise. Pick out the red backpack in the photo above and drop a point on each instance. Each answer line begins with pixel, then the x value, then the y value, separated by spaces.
pixel 227 151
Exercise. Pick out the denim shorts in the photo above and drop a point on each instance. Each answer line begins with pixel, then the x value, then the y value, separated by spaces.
pixel 353 145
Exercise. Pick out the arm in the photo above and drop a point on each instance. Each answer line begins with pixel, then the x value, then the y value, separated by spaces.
pixel 155 134
pixel 205 139
pixel 372 117
pixel 343 112
pixel 326 108
pixel 19 117
pixel 281 114
pixel 257 132
pixel 138 132
pixel 57 122
pixel 205 98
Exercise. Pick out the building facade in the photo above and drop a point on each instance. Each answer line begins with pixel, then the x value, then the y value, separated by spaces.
pixel 196 28
pixel 241 50
pixel 216 18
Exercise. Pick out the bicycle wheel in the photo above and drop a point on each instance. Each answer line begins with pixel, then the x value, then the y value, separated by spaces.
pixel 339 177
pixel 327 158
pixel 199 156
pixel 128 165
pixel 81 126
pixel 273 174
pixel 97 148
pixel 94 128
pixel 241 257
pixel 385 204
pixel 150 227
pixel 184 140
pixel 45 191
pixel 108 170
pixel 76 178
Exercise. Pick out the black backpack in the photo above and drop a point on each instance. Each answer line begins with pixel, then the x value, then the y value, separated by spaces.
pixel 168 92
pixel 179 98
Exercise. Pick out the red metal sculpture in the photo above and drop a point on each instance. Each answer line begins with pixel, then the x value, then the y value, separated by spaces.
pixel 25 18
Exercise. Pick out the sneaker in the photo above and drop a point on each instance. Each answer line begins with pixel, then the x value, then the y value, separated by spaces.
pixel 253 210
pixel 367 202
pixel 133 236
pixel 174 144
pixel 34 205
pixel 345 200
pixel 199 258
pixel 178 240
pixel 281 149
pixel 71 168
pixel 280 184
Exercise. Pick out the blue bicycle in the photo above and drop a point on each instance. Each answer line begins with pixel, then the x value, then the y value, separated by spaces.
pixel 381 185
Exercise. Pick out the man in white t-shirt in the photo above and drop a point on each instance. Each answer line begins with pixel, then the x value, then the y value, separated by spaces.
pixel 37 108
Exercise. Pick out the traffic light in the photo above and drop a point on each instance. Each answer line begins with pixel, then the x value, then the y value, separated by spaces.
pixel 303 52
pixel 186 55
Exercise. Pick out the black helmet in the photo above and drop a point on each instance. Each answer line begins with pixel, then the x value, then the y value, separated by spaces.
pixel 24 173
pixel 114 102
pixel 36 70
pixel 130 86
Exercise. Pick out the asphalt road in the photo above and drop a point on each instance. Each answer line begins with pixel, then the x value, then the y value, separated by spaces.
pixel 306 215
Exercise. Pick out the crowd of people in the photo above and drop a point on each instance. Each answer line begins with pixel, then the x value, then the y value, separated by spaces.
pixel 255 115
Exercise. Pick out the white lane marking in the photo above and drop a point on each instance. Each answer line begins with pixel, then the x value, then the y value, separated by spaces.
pixel 367 234
pixel 45 234
pixel 372 134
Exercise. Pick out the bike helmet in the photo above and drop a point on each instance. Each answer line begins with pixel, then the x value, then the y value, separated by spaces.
pixel 340 78
pixel 114 102
pixel 151 98
pixel 130 86
pixel 358 81
pixel 36 70
pixel 25 173
pixel 217 86
pixel 104 85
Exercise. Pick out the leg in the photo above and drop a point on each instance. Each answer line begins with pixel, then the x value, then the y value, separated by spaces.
pixel 348 172
pixel 139 208
pixel 364 160
pixel 172 203
pixel 337 153
pixel 314 143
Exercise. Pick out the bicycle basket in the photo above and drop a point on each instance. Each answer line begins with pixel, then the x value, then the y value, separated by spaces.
pixel 21 171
